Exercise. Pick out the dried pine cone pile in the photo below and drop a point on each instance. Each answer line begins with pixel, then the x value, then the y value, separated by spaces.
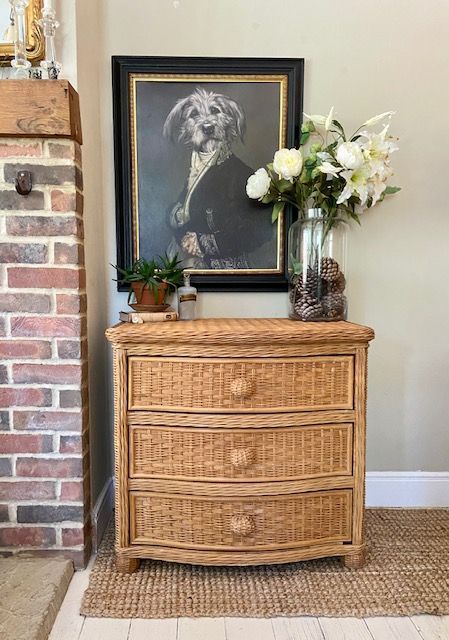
pixel 318 294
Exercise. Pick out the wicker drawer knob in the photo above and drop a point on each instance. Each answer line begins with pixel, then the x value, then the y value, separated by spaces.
pixel 242 525
pixel 242 458
pixel 242 387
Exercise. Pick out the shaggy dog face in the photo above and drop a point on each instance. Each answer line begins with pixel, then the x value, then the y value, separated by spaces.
pixel 205 121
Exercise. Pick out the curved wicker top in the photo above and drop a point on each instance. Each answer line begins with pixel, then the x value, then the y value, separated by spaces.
pixel 236 330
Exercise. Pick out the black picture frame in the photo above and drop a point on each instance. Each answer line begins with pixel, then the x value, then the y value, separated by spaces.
pixel 126 67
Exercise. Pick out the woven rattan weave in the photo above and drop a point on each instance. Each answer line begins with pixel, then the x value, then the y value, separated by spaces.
pixel 239 441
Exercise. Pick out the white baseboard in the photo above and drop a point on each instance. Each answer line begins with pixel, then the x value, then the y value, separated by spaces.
pixel 407 489
pixel 102 512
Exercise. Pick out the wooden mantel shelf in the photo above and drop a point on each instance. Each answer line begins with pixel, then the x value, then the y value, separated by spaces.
pixel 39 108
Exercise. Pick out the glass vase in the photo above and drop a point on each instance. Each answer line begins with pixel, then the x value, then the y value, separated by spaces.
pixel 317 268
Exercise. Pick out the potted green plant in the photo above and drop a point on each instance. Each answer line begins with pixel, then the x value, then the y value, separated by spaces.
pixel 151 280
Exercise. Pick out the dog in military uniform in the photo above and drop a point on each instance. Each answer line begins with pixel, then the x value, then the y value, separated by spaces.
pixel 215 225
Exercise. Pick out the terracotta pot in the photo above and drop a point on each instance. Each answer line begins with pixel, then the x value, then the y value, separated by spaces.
pixel 144 295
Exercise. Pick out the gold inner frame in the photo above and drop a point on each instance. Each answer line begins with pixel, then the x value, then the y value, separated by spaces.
pixel 35 45
pixel 281 79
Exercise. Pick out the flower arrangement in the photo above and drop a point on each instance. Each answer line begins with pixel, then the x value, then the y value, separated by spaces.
pixel 330 171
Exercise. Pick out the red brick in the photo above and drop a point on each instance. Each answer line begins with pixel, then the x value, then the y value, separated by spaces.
pixel 59 150
pixel 10 200
pixel 67 253
pixel 25 149
pixel 72 349
pixel 69 444
pixel 35 326
pixel 44 226
pixel 4 421
pixel 4 513
pixel 25 490
pixel 5 467
pixel 27 536
pixel 25 443
pixel 49 513
pixel 3 374
pixel 72 537
pixel 24 397
pixel 72 491
pixel 46 278
pixel 48 420
pixel 70 398
pixel 29 302
pixel 25 349
pixel 27 252
pixel 47 373
pixel 62 201
pixel 49 467
pixel 70 303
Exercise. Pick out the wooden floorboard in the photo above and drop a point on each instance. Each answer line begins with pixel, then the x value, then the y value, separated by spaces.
pixel 393 629
pixel 432 627
pixel 301 628
pixel 344 629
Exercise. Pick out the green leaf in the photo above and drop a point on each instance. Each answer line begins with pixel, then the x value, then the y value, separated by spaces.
pixel 390 190
pixel 284 185
pixel 277 208
pixel 267 199
pixel 304 137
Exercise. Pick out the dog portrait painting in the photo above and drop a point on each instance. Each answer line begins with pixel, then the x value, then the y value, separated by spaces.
pixel 194 140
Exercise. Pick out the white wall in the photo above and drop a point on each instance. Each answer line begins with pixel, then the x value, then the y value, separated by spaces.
pixel 364 58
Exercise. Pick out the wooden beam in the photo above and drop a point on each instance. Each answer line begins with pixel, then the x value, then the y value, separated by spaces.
pixel 39 108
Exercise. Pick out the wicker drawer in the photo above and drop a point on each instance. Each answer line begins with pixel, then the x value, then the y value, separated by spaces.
pixel 250 385
pixel 267 522
pixel 291 453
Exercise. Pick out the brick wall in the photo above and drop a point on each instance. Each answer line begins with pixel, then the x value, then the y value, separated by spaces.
pixel 44 466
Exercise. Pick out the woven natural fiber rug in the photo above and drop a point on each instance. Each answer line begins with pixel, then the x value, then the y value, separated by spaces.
pixel 407 573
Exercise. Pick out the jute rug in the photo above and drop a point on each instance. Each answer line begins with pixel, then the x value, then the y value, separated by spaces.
pixel 407 573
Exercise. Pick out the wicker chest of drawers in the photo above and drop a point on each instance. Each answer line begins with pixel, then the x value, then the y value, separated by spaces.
pixel 239 441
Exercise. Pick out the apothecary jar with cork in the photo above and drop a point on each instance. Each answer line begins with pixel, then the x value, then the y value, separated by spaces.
pixel 317 268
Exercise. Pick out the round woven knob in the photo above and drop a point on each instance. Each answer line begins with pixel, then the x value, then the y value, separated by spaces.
pixel 244 457
pixel 242 525
pixel 242 387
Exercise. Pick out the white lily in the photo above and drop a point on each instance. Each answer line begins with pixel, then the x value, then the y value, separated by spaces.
pixel 356 183
pixel 329 169
pixel 316 119
pixel 330 117
pixel 376 187
pixel 376 149
pixel 372 121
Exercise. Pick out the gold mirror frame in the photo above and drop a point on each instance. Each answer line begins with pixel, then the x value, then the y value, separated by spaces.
pixel 35 37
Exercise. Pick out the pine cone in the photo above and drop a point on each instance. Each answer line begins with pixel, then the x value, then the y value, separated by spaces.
pixel 336 286
pixel 333 305
pixel 329 269
pixel 308 308
pixel 296 292
pixel 311 282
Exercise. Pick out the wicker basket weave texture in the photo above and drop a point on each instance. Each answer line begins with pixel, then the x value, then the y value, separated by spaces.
pixel 229 385
pixel 280 521
pixel 246 454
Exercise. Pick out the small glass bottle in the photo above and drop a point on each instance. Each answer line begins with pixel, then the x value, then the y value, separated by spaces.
pixel 187 299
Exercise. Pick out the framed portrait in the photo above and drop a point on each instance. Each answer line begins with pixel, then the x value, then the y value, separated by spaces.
pixel 188 133
pixel 35 45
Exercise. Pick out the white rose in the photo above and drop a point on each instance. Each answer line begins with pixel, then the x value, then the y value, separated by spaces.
pixel 258 184
pixel 350 156
pixel 287 163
